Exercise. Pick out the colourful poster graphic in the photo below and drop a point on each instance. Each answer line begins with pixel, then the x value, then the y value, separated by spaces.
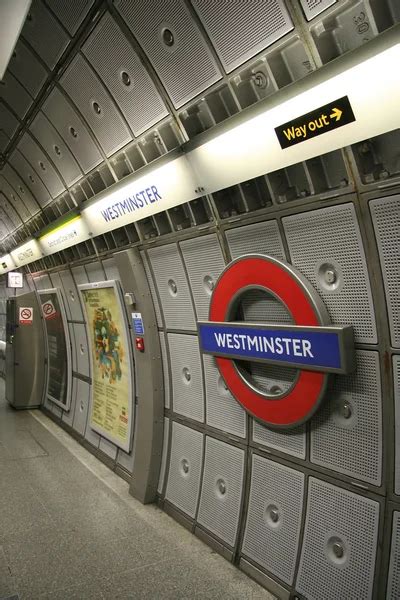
pixel 111 389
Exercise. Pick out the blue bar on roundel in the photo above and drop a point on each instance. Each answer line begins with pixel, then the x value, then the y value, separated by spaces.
pixel 312 347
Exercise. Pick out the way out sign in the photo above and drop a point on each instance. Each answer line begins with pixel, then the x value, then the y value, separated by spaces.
pixel 325 118
pixel 310 344
pixel 25 315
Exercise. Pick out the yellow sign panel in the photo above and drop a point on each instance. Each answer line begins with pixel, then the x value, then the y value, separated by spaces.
pixel 111 407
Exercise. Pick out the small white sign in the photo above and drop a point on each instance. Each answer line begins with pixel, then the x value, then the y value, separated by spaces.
pixel 15 280
pixel 25 315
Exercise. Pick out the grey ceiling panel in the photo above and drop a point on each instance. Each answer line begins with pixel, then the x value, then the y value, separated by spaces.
pixel 174 44
pixel 10 211
pixel 43 167
pixel 3 229
pixel 72 130
pixel 119 67
pixel 93 101
pixel 13 198
pixel 30 178
pixel 45 34
pixel 8 121
pixel 239 30
pixel 4 139
pixel 20 189
pixel 71 14
pixel 15 95
pixel 56 148
pixel 27 69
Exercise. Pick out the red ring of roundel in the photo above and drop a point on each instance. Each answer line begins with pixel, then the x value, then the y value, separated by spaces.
pixel 301 402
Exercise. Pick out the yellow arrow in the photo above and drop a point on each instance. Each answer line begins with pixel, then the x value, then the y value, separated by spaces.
pixel 336 114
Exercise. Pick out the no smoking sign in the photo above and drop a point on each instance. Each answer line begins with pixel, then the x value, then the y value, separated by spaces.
pixel 25 315
pixel 48 310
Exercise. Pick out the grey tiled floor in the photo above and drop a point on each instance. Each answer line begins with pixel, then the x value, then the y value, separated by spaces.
pixel 69 529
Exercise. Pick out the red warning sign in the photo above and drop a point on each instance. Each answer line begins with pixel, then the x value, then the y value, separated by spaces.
pixel 48 309
pixel 25 315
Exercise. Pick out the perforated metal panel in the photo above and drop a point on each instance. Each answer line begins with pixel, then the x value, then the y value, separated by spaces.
pixel 4 140
pixel 393 586
pixel 239 30
pixel 188 53
pixel 222 410
pixel 8 122
pixel 20 189
pixel 118 65
pixel 291 442
pixel 42 282
pixel 260 238
pixel 90 97
pixel 339 544
pixel 185 468
pixel 39 161
pixel 15 95
pixel 72 130
pixel 346 433
pixel 164 456
pixel 44 34
pixel 187 378
pixel 91 436
pixel 71 14
pixel 82 406
pixel 27 69
pixel 204 263
pixel 172 287
pixel 80 275
pixel 68 416
pixel 221 491
pixel 386 218
pixel 152 289
pixel 274 516
pixel 81 350
pixel 95 272
pixel 9 210
pixel 328 241
pixel 312 8
pixel 108 448
pixel 31 180
pixel 71 297
pixel 110 269
pixel 13 198
pixel 396 386
pixel 48 137
pixel 164 359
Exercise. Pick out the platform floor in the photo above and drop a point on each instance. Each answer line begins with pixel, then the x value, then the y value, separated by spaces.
pixel 69 529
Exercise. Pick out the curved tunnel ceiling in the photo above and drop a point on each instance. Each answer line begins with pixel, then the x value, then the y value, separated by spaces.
pixel 95 89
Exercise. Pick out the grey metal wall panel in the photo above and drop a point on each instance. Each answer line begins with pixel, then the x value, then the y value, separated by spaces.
pixel 87 92
pixel 386 218
pixel 185 468
pixel 21 189
pixel 71 14
pixel 71 297
pixel 74 358
pixel 14 198
pixel 204 264
pixel 56 148
pixel 44 34
pixel 82 406
pixel 95 272
pixel 339 544
pixel 152 289
pixel 108 448
pixel 222 410
pixel 393 586
pixel 72 129
pixel 15 95
pixel 91 436
pixel 42 282
pixel 43 167
pixel 164 358
pixel 188 53
pixel 111 55
pixel 82 351
pixel 80 275
pixel 329 240
pixel 312 8
pixel 173 287
pixel 27 69
pixel 239 30
pixel 187 378
pixel 125 460
pixel 260 238
pixel 68 416
pixel 396 385
pixel 8 121
pixel 164 456
pixel 291 442
pixel 346 434
pixel 222 489
pixel 273 521
pixel 4 140
pixel 9 211
pixel 110 269
pixel 31 180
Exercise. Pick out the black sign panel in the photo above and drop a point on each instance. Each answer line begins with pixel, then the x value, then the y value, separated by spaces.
pixel 325 118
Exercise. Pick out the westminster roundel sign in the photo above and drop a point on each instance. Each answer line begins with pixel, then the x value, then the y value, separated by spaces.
pixel 311 344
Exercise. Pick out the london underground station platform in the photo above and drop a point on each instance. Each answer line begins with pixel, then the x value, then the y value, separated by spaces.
pixel 70 530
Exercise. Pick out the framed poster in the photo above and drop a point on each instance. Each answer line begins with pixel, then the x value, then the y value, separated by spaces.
pixel 59 378
pixel 111 409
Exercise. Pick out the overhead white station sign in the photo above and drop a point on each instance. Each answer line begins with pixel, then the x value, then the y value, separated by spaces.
pixel 164 187
pixel 27 253
pixel 6 263
pixel 65 235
